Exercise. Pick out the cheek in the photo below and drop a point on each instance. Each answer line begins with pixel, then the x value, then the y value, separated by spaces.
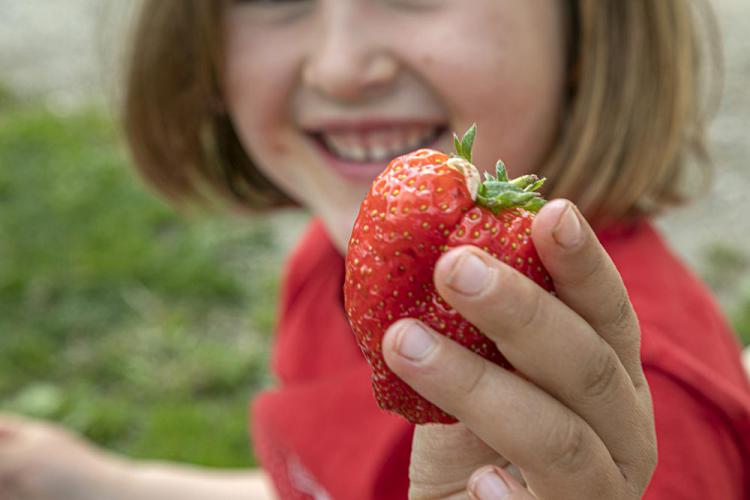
pixel 525 102
pixel 255 97
pixel 506 72
pixel 256 89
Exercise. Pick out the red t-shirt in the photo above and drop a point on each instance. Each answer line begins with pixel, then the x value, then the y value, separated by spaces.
pixel 321 435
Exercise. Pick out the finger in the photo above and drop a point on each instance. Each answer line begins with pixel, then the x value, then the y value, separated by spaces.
pixel 550 344
pixel 587 281
pixel 558 452
pixel 493 483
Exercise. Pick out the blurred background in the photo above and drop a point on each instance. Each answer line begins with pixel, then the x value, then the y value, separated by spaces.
pixel 136 326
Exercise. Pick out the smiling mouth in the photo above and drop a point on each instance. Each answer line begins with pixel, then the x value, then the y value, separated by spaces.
pixel 379 144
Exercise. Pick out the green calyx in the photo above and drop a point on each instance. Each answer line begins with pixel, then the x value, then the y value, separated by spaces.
pixel 500 193
pixel 465 144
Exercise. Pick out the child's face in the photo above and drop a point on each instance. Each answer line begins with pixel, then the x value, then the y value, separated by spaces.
pixel 324 92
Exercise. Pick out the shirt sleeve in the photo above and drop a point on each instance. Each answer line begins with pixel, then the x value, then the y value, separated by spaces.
pixel 699 457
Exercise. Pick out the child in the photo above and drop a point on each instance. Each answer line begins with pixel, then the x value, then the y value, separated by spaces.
pixel 302 102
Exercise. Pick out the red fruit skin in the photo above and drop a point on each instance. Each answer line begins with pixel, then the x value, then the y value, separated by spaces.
pixel 416 210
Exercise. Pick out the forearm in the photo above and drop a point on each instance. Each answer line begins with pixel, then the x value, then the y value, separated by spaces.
pixel 166 481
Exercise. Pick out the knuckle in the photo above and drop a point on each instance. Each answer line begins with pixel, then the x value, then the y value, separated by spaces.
pixel 527 315
pixel 584 269
pixel 649 457
pixel 643 390
pixel 512 300
pixel 638 471
pixel 472 387
pixel 624 318
pixel 521 302
pixel 600 377
pixel 566 446
pixel 643 471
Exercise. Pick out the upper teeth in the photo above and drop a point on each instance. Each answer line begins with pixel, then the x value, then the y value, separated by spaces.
pixel 375 146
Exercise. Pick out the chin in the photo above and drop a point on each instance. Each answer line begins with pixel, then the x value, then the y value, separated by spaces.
pixel 339 227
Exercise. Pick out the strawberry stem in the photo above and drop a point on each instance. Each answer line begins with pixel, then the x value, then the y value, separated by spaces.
pixel 498 192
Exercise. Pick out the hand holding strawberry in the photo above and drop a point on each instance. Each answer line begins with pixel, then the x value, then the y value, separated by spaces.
pixel 579 424
pixel 423 204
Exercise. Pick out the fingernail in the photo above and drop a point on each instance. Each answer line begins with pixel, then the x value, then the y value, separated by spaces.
pixel 469 274
pixel 414 342
pixel 490 486
pixel 567 232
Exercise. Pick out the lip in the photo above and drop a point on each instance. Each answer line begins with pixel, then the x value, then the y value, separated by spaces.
pixel 361 171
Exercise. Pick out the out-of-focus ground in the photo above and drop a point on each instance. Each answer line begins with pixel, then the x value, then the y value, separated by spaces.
pixel 63 51
pixel 138 327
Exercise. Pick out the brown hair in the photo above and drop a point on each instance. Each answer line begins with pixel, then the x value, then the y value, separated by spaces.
pixel 635 115
pixel 180 138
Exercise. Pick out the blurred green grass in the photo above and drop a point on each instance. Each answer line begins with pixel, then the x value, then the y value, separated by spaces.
pixel 137 327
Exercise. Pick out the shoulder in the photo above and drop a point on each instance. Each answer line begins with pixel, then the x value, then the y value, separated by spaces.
pixel 692 360
pixel 701 453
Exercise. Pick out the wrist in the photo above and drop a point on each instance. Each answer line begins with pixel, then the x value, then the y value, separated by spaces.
pixel 166 481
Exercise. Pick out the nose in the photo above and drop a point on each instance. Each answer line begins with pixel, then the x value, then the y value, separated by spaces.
pixel 348 60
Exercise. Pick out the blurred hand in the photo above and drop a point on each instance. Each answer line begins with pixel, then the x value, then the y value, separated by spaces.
pixel 579 423
pixel 43 461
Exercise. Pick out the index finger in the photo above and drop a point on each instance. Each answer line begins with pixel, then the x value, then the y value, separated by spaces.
pixel 587 280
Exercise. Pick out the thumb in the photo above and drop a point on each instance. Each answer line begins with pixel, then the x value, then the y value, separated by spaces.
pixel 443 457
pixel 494 483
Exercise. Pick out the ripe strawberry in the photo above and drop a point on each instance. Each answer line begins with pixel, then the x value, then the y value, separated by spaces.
pixel 421 205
